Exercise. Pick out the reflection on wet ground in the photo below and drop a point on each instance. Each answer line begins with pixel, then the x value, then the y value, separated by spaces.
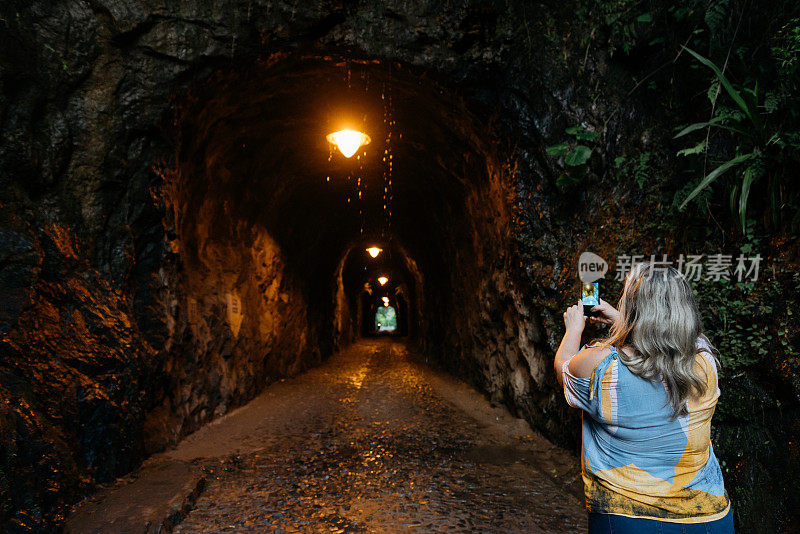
pixel 370 446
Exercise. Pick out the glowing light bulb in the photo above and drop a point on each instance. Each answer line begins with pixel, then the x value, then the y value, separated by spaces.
pixel 348 141
pixel 382 280
pixel 374 251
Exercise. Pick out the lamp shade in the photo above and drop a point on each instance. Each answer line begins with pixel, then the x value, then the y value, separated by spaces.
pixel 348 141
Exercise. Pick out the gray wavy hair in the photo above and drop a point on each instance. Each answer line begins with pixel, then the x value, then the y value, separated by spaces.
pixel 659 318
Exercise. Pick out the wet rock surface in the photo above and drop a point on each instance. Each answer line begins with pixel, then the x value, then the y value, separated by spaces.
pixel 153 499
pixel 376 441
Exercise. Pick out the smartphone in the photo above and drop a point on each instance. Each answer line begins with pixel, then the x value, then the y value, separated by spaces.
pixel 590 297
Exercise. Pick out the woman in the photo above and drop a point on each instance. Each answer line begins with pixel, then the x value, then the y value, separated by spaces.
pixel 647 393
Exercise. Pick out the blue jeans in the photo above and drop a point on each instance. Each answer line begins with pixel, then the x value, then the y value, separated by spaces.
pixel 619 524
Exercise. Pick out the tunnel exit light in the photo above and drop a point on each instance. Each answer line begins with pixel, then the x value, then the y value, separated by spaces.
pixel 374 251
pixel 382 280
pixel 348 141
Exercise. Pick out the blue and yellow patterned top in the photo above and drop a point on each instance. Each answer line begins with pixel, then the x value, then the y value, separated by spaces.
pixel 636 460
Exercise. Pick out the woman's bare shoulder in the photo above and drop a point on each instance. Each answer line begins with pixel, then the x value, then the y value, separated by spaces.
pixel 583 363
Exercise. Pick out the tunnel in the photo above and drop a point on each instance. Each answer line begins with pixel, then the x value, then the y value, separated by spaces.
pixel 182 246
pixel 269 223
pixel 366 284
pixel 254 168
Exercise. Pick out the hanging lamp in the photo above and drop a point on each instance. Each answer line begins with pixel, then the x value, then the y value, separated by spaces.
pixel 348 141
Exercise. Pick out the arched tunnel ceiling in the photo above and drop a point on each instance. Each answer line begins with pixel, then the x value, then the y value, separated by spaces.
pixel 253 142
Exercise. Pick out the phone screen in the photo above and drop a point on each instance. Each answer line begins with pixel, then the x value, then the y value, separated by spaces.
pixel 590 296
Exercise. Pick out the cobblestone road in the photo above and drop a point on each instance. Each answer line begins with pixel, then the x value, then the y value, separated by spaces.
pixel 375 441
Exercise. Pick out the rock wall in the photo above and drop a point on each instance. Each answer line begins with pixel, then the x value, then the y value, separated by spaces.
pixel 74 375
pixel 482 325
pixel 240 323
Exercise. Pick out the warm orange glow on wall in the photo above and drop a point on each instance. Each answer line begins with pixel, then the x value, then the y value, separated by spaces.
pixel 374 251
pixel 348 141
pixel 382 280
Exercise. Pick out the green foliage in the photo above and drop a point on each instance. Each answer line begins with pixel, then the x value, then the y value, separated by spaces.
pixel 579 155
pixel 739 315
pixel 557 150
pixel 716 13
pixel 748 149
pixel 581 134
pixel 786 48
pixel 574 152
pixel 386 318
pixel 741 318
pixel 699 148
pixel 702 198
pixel 637 168
pixel 742 342
pixel 620 20
pixel 758 148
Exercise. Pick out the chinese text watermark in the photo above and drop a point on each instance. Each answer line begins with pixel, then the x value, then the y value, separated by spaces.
pixel 696 267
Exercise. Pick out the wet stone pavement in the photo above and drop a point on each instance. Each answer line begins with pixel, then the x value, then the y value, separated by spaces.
pixel 375 441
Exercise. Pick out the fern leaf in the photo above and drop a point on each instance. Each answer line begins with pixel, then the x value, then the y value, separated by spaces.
pixel 715 14
pixel 697 149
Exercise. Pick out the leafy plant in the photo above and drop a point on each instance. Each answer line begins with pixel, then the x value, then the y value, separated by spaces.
pixel 574 152
pixel 618 19
pixel 756 144
pixel 715 14
pixel 787 47
pixel 636 168
pixel 753 321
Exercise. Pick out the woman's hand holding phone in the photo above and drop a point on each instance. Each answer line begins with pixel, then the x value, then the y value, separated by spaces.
pixel 574 320
pixel 607 313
